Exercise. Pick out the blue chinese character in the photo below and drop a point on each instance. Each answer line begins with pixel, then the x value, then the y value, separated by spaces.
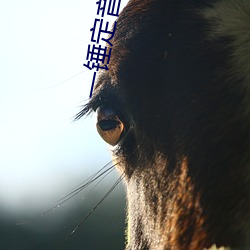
pixel 102 31
pixel 113 10
pixel 92 85
pixel 99 55
pixel 101 8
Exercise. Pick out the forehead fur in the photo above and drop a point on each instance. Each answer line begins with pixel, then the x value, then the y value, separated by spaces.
pixel 231 18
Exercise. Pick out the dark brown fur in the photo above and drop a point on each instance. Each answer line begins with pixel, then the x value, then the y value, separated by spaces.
pixel 185 151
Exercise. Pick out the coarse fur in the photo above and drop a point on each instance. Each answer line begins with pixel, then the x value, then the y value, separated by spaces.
pixel 179 77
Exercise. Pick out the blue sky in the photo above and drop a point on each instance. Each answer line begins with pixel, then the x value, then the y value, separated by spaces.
pixel 42 85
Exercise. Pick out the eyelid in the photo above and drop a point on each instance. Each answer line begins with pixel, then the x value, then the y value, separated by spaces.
pixel 106 99
pixel 94 103
pixel 101 101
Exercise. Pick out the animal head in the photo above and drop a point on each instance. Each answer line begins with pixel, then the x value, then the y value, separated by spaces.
pixel 175 105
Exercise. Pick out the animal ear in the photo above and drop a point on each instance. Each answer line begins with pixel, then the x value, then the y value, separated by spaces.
pixel 109 125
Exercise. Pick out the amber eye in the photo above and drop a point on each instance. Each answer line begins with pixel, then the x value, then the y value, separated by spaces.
pixel 108 125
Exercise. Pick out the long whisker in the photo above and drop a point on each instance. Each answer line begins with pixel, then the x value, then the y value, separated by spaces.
pixel 87 182
pixel 103 172
pixel 85 185
pixel 90 191
pixel 62 82
pixel 93 209
pixel 103 177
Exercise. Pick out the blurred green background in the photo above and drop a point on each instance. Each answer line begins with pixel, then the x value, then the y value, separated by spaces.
pixel 104 229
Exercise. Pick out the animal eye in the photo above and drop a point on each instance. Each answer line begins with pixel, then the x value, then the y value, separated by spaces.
pixel 108 125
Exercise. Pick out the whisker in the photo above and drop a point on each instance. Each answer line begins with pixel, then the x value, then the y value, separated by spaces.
pixel 107 173
pixel 103 171
pixel 87 182
pixel 92 190
pixel 79 189
pixel 93 209
pixel 59 83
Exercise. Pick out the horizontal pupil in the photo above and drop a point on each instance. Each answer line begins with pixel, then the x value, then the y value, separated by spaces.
pixel 106 125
